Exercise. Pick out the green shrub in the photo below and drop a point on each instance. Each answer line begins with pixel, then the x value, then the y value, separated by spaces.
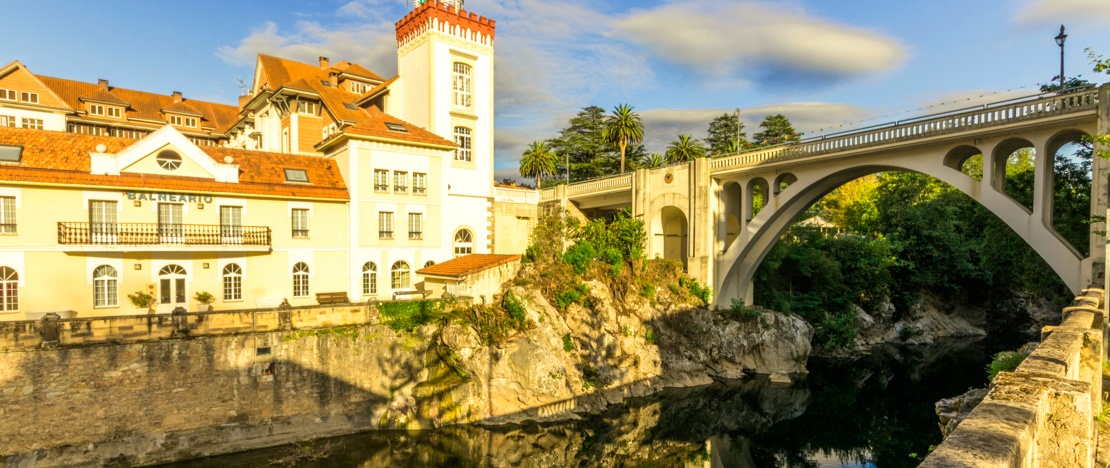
pixel 738 309
pixel 648 291
pixel 649 336
pixel 514 306
pixel 571 296
pixel 611 256
pixel 1005 361
pixel 568 344
pixel 589 376
pixel 580 256
pixel 408 315
pixel 699 291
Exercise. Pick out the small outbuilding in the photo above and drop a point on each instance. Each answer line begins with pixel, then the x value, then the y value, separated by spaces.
pixel 474 275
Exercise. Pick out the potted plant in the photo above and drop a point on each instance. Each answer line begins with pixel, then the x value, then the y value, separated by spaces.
pixel 143 301
pixel 204 300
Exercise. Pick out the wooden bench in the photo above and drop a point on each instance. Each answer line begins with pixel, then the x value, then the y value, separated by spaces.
pixel 332 297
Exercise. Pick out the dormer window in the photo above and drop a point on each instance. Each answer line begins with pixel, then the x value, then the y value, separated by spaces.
pixel 296 175
pixel 359 88
pixel 96 109
pixel 306 107
pixel 32 98
pixel 396 127
pixel 8 95
pixel 181 121
pixel 168 160
pixel 115 112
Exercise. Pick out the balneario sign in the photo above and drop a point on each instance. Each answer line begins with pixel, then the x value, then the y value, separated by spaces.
pixel 170 197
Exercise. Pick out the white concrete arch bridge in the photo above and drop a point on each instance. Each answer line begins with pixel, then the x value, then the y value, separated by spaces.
pixel 702 213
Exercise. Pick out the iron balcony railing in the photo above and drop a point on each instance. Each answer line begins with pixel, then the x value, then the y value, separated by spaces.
pixel 161 234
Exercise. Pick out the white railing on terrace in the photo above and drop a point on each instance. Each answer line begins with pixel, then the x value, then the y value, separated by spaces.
pixel 999 113
pixel 515 195
pixel 601 185
pixel 547 194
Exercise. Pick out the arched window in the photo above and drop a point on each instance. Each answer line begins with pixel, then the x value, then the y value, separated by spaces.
pixel 429 263
pixel 233 282
pixel 9 289
pixel 300 280
pixel 105 289
pixel 399 275
pixel 168 159
pixel 462 139
pixel 464 243
pixel 460 84
pixel 369 278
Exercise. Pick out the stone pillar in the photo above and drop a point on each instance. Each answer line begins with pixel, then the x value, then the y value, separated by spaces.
pixel 701 223
pixel 1099 193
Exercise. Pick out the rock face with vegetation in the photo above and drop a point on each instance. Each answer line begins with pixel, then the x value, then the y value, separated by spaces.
pixel 576 332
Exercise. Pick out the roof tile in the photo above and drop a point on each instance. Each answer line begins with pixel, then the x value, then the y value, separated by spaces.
pixel 467 265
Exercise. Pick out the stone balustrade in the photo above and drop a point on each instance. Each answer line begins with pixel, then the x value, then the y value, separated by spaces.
pixel 1042 414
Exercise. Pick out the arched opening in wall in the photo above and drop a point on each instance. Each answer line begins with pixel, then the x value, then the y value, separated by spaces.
pixel 731 205
pixel 757 196
pixel 783 181
pixel 1070 185
pixel 884 244
pixel 966 159
pixel 669 235
pixel 1015 161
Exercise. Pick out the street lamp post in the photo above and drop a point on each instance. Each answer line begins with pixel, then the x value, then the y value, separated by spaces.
pixel 1060 38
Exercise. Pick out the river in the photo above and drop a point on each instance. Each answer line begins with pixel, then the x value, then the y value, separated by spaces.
pixel 871 411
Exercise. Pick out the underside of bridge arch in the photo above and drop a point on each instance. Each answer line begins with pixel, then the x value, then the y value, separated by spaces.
pixel 958 159
pixel 737 265
pixel 782 181
pixel 670 233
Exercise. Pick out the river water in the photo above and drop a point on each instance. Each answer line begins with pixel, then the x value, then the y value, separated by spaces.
pixel 872 411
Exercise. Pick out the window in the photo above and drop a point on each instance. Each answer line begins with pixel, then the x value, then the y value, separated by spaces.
pixel 7 215
pixel 32 98
pixel 396 127
pixel 462 140
pixel 385 224
pixel 168 160
pixel 461 85
pixel 359 88
pixel 7 94
pixel 105 291
pixel 115 112
pixel 96 109
pixel 11 154
pixel 381 180
pixel 9 290
pixel 180 121
pixel 171 227
pixel 400 182
pixel 233 282
pixel 419 183
pixel 231 224
pixel 300 280
pixel 300 223
pixel 306 107
pixel 464 243
pixel 33 124
pixel 399 275
pixel 296 175
pixel 87 129
pixel 7 121
pixel 102 222
pixel 429 263
pixel 369 278
pixel 416 225
pixel 124 133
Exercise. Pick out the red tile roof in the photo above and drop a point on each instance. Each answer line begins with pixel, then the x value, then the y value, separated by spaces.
pixel 376 127
pixel 278 72
pixel 467 265
pixel 63 158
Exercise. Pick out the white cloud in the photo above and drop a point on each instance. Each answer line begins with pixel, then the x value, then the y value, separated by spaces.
pixel 1040 12
pixel 372 45
pixel 736 37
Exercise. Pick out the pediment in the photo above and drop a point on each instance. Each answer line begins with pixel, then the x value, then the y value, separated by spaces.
pixel 166 152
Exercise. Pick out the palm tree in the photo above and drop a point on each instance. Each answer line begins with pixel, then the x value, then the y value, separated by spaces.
pixel 685 149
pixel 536 161
pixel 651 160
pixel 623 128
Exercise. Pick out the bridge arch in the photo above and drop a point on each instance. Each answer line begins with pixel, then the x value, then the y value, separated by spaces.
pixel 737 265
pixel 669 228
pixel 758 189
pixel 783 181
pixel 957 157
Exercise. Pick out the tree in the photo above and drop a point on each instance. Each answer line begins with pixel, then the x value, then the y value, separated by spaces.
pixel 651 160
pixel 537 161
pixel 622 128
pixel 581 142
pixel 726 135
pixel 685 149
pixel 777 129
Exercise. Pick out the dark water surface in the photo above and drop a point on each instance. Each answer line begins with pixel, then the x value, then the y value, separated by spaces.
pixel 873 411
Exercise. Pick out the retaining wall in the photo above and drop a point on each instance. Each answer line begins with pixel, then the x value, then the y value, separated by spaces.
pixel 1043 413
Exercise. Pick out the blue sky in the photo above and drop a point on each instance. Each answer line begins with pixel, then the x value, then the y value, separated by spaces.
pixel 826 65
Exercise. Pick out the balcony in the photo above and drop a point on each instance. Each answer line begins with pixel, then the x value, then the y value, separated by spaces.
pixel 163 237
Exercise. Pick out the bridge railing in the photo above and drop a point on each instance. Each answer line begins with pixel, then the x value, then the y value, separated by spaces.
pixel 989 115
pixel 601 185
pixel 515 195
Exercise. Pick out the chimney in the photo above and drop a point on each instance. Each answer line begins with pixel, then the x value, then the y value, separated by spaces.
pixel 102 84
pixel 324 62
pixel 333 79
pixel 176 97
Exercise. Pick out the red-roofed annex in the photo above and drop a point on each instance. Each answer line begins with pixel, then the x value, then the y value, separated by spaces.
pixel 324 177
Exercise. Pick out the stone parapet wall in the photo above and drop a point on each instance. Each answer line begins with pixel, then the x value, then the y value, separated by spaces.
pixel 1043 413
pixel 24 335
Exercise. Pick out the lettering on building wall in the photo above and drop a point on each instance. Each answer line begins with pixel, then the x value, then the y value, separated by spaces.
pixel 169 197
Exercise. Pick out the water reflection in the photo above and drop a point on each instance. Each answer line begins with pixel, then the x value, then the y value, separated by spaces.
pixel 871 411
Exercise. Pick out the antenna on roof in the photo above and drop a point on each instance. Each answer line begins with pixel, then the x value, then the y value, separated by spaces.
pixel 242 86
